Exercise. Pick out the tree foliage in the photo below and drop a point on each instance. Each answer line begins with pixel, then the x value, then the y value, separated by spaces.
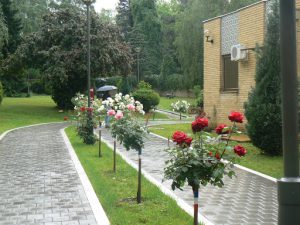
pixel 263 109
pixel 3 31
pixel 59 50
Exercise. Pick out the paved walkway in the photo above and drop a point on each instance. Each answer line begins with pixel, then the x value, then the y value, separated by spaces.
pixel 246 200
pixel 38 181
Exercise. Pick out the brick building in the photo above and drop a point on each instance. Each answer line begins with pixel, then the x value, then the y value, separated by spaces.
pixel 227 82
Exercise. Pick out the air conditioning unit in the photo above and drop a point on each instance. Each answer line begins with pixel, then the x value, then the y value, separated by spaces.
pixel 239 52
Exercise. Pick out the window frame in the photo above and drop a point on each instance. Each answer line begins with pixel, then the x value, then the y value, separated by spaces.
pixel 223 75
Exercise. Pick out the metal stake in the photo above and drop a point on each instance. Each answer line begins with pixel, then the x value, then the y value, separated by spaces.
pixel 289 185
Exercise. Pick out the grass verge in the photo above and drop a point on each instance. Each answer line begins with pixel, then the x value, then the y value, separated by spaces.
pixel 16 112
pixel 270 165
pixel 117 192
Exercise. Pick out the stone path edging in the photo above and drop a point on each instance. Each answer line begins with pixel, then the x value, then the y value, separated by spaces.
pixel 180 202
pixel 99 214
pixel 236 165
pixel 98 210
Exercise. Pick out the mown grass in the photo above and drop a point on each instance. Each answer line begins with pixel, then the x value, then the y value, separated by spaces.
pixel 270 165
pixel 16 112
pixel 165 103
pixel 117 192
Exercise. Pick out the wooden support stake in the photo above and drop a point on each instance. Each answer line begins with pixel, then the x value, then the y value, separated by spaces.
pixel 168 142
pixel 139 192
pixel 115 148
pixel 100 153
pixel 196 200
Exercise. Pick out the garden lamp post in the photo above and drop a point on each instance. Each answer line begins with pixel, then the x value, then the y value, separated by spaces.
pixel 88 3
pixel 289 185
pixel 138 50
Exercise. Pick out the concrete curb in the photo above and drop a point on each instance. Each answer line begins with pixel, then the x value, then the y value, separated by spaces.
pixel 98 210
pixel 180 202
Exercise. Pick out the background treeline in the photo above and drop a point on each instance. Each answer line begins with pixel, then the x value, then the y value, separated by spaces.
pixel 42 44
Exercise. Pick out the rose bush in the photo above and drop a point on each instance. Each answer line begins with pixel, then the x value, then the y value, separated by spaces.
pixel 180 106
pixel 206 158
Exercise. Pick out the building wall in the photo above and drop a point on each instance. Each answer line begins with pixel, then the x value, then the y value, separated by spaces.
pixel 251 29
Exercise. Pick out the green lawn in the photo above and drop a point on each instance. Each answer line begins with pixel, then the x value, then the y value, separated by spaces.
pixel 116 192
pixel 165 103
pixel 16 112
pixel 272 166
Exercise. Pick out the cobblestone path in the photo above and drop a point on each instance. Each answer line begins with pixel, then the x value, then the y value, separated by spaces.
pixel 38 181
pixel 246 200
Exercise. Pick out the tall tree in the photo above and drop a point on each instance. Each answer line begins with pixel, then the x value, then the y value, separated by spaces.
pixel 31 13
pixel 263 109
pixel 145 17
pixel 14 26
pixel 3 31
pixel 59 51
pixel 124 17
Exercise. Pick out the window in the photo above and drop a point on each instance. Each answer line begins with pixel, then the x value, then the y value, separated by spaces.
pixel 230 74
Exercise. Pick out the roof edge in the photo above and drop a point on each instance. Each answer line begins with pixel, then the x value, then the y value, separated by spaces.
pixel 240 9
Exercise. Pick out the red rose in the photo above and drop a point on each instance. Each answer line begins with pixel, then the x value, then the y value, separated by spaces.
pixel 217 155
pixel 188 141
pixel 199 124
pixel 66 118
pixel 236 117
pixel 179 137
pixel 240 150
pixel 219 129
pixel 210 154
pixel 82 109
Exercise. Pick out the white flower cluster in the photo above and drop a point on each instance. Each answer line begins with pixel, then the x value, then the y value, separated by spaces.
pixel 123 103
pixel 181 106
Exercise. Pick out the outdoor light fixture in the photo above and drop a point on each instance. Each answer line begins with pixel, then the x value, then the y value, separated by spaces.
pixel 208 36
pixel 88 4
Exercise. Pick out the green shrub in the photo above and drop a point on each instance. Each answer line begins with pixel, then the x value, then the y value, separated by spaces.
pixel 144 85
pixel 147 97
pixel 1 93
pixel 263 109
pixel 153 80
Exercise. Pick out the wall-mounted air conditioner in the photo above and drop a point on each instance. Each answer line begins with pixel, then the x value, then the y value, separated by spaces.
pixel 239 52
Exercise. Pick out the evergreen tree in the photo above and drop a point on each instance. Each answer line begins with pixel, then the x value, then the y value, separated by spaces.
pixel 124 17
pixel 263 109
pixel 145 17
pixel 14 26
pixel 3 31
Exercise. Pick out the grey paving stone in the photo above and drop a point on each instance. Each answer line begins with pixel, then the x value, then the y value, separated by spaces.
pixel 247 199
pixel 38 181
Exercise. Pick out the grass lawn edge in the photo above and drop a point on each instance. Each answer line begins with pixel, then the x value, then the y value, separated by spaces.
pixel 180 202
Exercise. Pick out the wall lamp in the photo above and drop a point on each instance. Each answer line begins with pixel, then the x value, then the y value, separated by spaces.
pixel 208 36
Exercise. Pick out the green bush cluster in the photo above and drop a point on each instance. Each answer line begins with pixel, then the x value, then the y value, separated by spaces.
pixel 148 97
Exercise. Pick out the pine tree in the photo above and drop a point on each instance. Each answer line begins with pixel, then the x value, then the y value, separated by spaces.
pixel 3 31
pixel 124 17
pixel 14 27
pixel 263 109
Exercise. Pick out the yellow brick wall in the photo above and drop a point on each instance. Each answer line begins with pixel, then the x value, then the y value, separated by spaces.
pixel 218 104
pixel 212 68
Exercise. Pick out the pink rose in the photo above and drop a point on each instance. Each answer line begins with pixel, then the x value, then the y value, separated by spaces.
pixel 131 107
pixel 119 115
pixel 111 112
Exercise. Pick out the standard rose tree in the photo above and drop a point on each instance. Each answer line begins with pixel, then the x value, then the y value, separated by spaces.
pixel 204 159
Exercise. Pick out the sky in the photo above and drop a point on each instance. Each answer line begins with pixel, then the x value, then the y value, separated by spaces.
pixel 105 4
